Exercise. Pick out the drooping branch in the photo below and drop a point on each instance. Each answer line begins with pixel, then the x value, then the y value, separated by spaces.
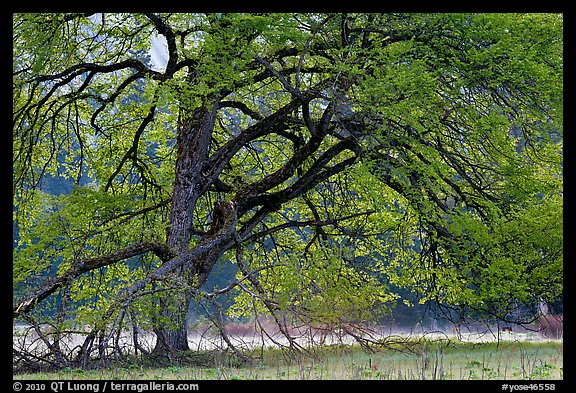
pixel 133 151
pixel 111 99
pixel 270 304
pixel 82 68
pixel 85 266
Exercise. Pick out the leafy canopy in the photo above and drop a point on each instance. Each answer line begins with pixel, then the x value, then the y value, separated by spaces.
pixel 440 171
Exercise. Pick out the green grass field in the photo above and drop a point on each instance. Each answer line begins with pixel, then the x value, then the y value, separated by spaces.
pixel 427 360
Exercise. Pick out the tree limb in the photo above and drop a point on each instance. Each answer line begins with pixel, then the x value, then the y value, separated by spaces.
pixel 313 223
pixel 85 266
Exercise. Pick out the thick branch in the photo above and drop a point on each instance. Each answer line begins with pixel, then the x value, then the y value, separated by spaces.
pixel 219 159
pixel 253 194
pixel 299 224
pixel 215 244
pixel 85 266
pixel 167 32
pixel 79 69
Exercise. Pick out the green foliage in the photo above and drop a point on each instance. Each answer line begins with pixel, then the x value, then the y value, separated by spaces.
pixel 453 183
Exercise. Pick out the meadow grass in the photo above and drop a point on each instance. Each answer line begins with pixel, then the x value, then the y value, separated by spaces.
pixel 448 360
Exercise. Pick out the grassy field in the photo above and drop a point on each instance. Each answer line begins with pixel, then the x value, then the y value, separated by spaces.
pixel 427 360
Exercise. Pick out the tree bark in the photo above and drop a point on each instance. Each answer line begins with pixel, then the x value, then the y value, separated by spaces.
pixel 171 332
pixel 193 144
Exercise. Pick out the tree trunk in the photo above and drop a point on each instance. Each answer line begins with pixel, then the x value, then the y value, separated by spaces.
pixel 171 330
pixel 193 144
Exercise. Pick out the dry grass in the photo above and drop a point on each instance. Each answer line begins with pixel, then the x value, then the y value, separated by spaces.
pixel 445 359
